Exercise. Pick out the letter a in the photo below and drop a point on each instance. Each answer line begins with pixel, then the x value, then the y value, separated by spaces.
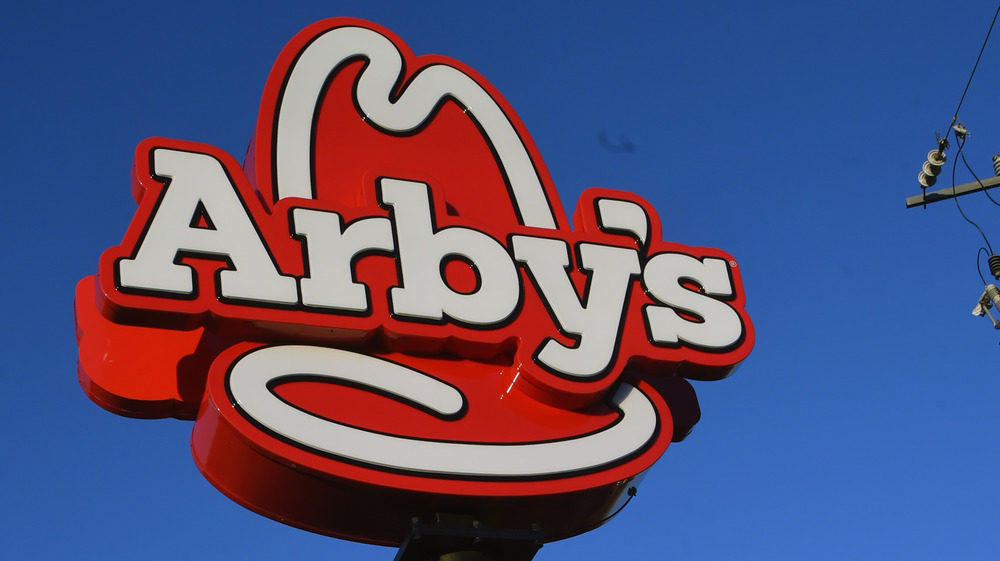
pixel 201 214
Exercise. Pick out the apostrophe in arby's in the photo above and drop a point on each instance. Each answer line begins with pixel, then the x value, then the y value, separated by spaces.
pixel 386 304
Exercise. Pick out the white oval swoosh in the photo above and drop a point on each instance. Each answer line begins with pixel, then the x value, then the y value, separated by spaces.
pixel 252 377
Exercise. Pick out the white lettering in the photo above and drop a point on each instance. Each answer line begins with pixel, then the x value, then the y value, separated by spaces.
pixel 330 253
pixel 714 325
pixel 201 214
pixel 618 216
pixel 424 292
pixel 596 323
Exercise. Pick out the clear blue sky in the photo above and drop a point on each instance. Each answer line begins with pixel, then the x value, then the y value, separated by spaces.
pixel 864 423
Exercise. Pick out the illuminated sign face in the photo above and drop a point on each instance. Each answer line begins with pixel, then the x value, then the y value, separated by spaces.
pixel 384 313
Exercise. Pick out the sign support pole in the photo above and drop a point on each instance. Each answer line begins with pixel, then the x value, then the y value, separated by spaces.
pixel 462 539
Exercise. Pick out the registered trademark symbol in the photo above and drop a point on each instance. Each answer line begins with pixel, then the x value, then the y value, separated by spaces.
pixel 732 263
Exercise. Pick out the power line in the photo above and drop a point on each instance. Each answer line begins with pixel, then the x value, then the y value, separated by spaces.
pixel 974 67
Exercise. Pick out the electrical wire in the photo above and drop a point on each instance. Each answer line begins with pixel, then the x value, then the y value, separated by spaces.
pixel 960 137
pixel 973 73
pixel 961 143
pixel 976 177
pixel 978 262
pixel 943 142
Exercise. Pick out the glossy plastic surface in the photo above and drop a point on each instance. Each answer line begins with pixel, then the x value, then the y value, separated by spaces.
pixel 383 314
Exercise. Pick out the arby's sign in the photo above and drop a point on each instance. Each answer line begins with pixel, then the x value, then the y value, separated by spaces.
pixel 385 304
